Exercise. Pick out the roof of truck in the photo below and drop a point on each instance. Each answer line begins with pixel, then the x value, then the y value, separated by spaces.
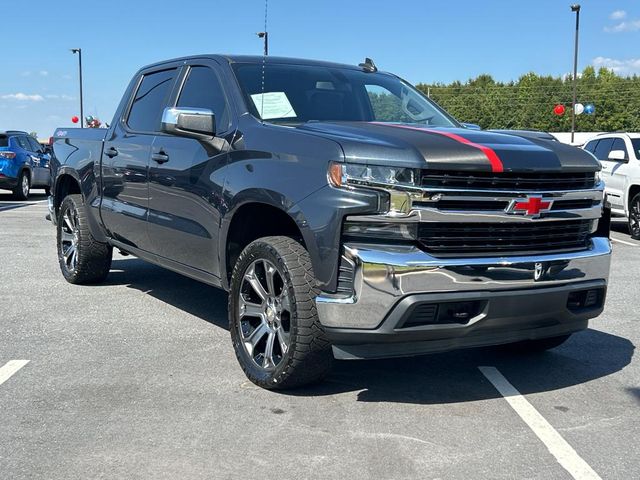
pixel 259 59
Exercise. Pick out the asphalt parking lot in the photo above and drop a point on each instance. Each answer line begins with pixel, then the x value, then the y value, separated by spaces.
pixel 136 378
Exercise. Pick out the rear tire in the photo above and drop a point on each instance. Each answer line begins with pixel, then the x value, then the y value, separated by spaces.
pixel 21 192
pixel 634 217
pixel 82 259
pixel 536 346
pixel 274 325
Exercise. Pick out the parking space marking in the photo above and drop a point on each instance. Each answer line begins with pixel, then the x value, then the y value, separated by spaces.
pixel 613 239
pixel 557 446
pixel 11 367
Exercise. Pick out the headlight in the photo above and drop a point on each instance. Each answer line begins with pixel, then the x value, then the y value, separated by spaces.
pixel 342 174
pixel 597 178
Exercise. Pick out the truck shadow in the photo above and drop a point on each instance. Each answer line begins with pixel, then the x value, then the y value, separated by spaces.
pixel 451 377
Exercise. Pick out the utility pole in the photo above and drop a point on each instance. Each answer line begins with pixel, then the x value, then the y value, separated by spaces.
pixel 79 52
pixel 575 8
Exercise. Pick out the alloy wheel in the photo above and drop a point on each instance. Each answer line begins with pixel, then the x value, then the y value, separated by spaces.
pixel 70 238
pixel 264 310
pixel 25 185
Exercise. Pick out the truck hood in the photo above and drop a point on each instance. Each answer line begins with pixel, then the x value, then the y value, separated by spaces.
pixel 450 149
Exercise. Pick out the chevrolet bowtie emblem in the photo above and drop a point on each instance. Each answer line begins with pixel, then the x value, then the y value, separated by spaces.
pixel 531 206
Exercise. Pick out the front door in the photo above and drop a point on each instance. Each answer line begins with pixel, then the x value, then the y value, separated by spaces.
pixel 125 161
pixel 186 178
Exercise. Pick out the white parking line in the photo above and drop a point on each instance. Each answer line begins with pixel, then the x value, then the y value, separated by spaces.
pixel 613 239
pixel 557 446
pixel 11 367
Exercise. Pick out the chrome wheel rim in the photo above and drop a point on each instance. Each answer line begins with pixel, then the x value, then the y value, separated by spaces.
pixel 264 315
pixel 25 185
pixel 69 239
pixel 634 219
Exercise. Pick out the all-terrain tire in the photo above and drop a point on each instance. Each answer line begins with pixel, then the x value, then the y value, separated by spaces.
pixel 92 258
pixel 308 358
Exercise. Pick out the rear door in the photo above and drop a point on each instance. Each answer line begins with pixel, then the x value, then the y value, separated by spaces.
pixel 185 186
pixel 125 159
pixel 40 163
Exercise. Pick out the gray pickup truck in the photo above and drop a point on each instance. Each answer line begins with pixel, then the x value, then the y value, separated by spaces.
pixel 347 215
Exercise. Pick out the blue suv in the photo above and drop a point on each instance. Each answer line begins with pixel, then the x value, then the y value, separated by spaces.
pixel 24 164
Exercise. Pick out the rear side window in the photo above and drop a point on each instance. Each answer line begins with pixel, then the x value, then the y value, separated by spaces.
pixel 203 90
pixel 22 142
pixel 149 101
pixel 591 146
pixel 604 147
pixel 4 141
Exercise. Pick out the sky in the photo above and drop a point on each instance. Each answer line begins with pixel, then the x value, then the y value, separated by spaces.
pixel 421 40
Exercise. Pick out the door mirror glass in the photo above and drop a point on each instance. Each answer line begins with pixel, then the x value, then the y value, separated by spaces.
pixel 199 123
pixel 618 155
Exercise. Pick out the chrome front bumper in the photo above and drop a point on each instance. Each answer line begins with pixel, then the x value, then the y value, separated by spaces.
pixel 384 275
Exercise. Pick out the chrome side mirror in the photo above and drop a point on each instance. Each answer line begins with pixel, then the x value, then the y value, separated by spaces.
pixel 199 123
pixel 618 156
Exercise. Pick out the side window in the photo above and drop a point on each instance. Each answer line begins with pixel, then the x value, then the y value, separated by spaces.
pixel 386 106
pixel 35 146
pixel 604 147
pixel 591 146
pixel 22 142
pixel 202 89
pixel 149 101
pixel 618 144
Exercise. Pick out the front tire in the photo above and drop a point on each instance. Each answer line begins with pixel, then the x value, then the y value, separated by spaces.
pixel 634 217
pixel 82 259
pixel 276 334
pixel 21 192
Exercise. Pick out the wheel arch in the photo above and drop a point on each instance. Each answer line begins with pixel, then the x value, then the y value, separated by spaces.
pixel 633 191
pixel 254 219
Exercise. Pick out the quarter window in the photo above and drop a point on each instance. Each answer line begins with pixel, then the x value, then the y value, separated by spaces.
pixel 591 146
pixel 203 90
pixel 150 99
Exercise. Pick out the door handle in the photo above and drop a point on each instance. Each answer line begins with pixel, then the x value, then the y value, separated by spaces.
pixel 160 157
pixel 111 152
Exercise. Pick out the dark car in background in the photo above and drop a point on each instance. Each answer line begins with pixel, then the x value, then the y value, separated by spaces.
pixel 24 164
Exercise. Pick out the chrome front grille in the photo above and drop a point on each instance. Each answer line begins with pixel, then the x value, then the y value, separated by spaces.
pixel 508 180
pixel 468 239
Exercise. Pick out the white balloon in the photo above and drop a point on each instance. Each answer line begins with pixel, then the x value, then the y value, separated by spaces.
pixel 579 108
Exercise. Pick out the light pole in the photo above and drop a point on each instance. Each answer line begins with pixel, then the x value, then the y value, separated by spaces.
pixel 575 8
pixel 79 52
pixel 265 35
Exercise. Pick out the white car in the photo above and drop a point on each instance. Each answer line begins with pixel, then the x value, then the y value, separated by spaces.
pixel 619 154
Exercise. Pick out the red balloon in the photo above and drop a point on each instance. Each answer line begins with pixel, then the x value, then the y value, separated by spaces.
pixel 559 109
pixel 74 119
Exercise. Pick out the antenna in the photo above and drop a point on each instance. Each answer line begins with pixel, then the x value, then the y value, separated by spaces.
pixel 368 66
pixel 264 35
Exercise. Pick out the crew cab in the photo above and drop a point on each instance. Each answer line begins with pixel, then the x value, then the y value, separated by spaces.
pixel 24 164
pixel 619 154
pixel 346 214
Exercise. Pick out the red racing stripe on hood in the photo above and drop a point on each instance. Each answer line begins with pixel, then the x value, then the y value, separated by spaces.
pixel 492 156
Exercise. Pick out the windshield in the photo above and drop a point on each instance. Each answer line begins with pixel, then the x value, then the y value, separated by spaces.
pixel 296 94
